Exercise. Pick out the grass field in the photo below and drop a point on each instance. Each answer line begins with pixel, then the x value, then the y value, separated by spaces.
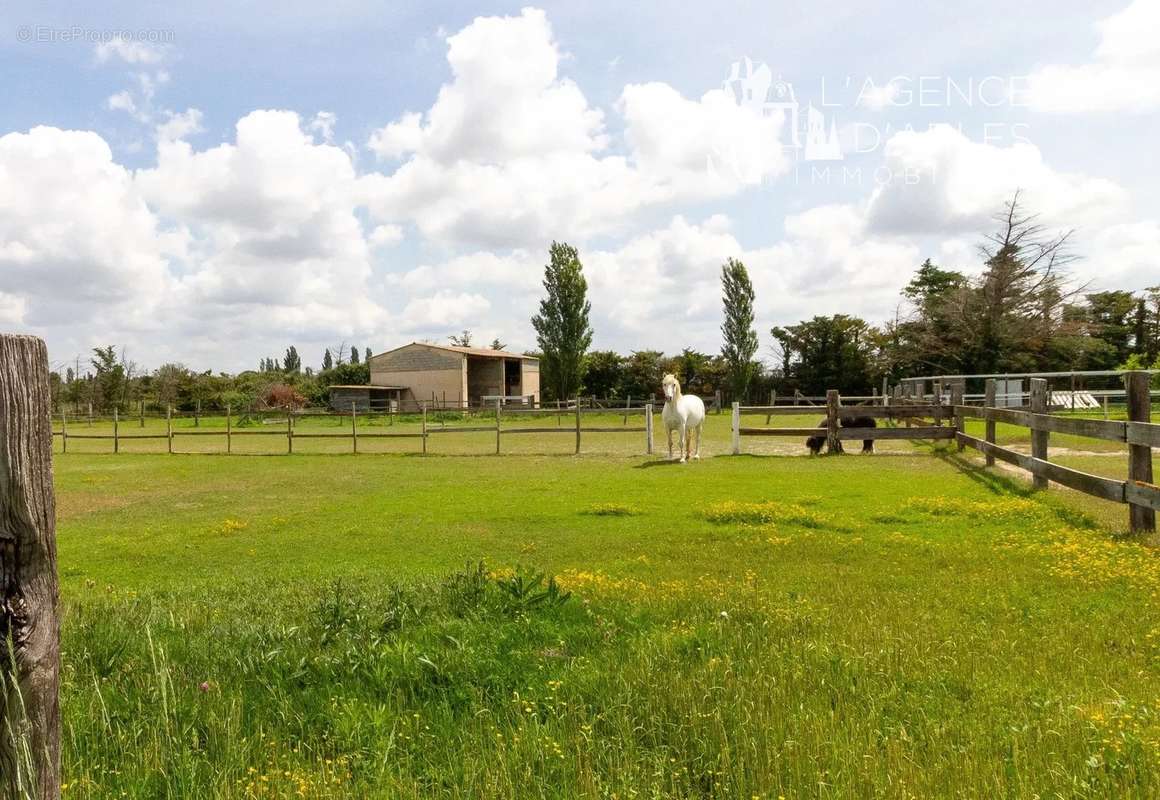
pixel 903 626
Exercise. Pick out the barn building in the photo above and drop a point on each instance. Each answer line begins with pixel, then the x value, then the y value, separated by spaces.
pixel 446 376
pixel 365 398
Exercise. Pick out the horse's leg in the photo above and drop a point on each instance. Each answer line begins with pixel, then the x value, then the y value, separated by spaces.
pixel 699 428
pixel 684 432
pixel 670 432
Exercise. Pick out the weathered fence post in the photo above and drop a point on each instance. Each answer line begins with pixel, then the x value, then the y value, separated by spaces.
pixel 63 431
pixel 141 413
pixel 1039 438
pixel 498 412
pixel 29 627
pixel 736 428
pixel 833 403
pixel 169 428
pixel 354 427
pixel 1139 455
pixel 648 428
pixel 989 392
pixel 229 433
pixel 197 414
pixel 116 441
pixel 627 405
pixel 717 401
pixel 577 425
pixel 956 404
pixel 423 423
pixel 289 433
pixel 772 403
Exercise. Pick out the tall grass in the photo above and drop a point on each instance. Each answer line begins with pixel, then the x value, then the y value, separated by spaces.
pixel 829 631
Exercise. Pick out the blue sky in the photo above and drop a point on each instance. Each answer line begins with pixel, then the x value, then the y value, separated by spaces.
pixel 228 180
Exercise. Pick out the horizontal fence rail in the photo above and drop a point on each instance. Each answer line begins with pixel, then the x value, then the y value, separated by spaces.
pixel 924 415
pixel 286 428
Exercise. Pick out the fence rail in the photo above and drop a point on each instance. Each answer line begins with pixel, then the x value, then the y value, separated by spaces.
pixel 909 404
pixel 577 411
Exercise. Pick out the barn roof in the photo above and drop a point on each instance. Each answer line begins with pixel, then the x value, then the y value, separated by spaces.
pixel 483 352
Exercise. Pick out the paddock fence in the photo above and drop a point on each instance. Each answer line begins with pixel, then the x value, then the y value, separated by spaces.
pixel 429 425
pixel 942 416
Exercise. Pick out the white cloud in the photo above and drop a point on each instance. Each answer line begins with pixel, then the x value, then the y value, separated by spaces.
pixel 878 97
pixel 179 125
pixel 272 216
pixel 12 309
pixel 130 51
pixel 941 182
pixel 443 311
pixel 75 234
pixel 690 148
pixel 323 124
pixel 386 236
pixel 1122 256
pixel 1123 75
pixel 511 154
pixel 514 272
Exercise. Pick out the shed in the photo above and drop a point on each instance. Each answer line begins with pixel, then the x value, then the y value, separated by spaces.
pixel 365 398
pixel 448 376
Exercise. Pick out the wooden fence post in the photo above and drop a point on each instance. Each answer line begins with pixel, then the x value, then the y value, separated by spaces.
pixel 197 414
pixel 735 426
pixel 498 412
pixel 648 428
pixel 423 423
pixel 116 441
pixel 833 402
pixel 956 404
pixel 717 401
pixel 169 428
pixel 1039 439
pixel 627 406
pixel 354 427
pixel 229 432
pixel 772 403
pixel 577 424
pixel 30 670
pixel 989 393
pixel 141 412
pixel 63 431
pixel 1139 455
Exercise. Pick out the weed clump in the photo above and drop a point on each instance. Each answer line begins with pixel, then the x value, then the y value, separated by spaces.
pixel 767 513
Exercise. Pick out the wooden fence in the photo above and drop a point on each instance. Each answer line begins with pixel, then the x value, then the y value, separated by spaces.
pixel 426 430
pixel 925 420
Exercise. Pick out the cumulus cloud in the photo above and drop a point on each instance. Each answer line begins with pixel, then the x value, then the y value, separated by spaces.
pixel 1122 256
pixel 75 233
pixel 1122 75
pixel 273 220
pixel 942 182
pixel 511 153
pixel 434 315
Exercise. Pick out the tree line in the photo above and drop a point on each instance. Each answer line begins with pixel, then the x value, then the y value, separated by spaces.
pixel 1020 313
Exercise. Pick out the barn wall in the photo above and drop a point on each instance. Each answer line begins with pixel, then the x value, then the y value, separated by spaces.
pixel 340 399
pixel 444 383
pixel 530 377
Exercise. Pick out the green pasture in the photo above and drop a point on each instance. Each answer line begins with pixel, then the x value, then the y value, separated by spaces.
pixel 907 625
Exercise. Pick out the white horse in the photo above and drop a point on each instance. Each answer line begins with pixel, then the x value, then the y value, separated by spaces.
pixel 684 414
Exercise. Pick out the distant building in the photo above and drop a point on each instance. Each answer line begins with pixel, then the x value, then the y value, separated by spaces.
pixel 365 398
pixel 446 376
